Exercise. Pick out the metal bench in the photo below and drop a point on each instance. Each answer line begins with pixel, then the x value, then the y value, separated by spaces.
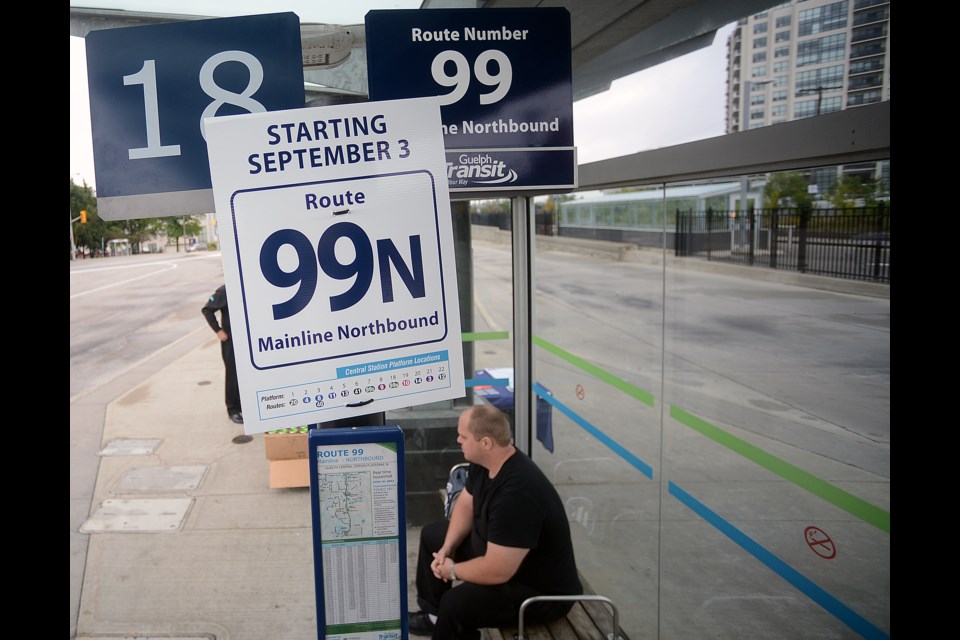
pixel 588 619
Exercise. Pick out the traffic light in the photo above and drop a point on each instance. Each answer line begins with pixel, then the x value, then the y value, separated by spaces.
pixel 83 216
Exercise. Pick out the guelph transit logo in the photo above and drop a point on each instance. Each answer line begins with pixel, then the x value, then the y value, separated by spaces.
pixel 479 169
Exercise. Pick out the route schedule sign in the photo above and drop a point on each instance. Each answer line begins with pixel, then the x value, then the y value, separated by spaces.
pixel 503 77
pixel 151 88
pixel 357 501
pixel 337 247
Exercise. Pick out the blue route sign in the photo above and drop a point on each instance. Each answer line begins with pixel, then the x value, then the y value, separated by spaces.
pixel 358 504
pixel 504 81
pixel 152 86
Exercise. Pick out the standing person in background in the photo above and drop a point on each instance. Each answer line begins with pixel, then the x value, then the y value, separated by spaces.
pixel 218 302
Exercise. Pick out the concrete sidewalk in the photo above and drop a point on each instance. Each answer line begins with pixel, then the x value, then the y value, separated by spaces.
pixel 185 538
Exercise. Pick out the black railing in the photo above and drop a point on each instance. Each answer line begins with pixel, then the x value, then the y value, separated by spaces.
pixel 842 243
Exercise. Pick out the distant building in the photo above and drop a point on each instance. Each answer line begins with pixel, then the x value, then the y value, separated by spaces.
pixel 209 233
pixel 646 217
pixel 805 58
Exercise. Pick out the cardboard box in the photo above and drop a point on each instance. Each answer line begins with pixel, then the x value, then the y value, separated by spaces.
pixel 285 446
pixel 288 459
pixel 286 474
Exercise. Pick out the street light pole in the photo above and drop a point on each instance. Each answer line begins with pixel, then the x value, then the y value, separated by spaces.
pixel 73 245
pixel 820 89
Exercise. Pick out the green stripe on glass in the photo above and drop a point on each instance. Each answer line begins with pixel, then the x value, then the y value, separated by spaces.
pixel 609 378
pixel 817 486
pixel 486 335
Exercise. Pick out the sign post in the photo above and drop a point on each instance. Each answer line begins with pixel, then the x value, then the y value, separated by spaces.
pixel 151 88
pixel 357 501
pixel 338 260
pixel 503 77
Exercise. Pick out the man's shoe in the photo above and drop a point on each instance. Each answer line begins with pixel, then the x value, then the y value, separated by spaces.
pixel 237 417
pixel 419 624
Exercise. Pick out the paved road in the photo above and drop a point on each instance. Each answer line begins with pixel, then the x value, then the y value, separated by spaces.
pixel 122 309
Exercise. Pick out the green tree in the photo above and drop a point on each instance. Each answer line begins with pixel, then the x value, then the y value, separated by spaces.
pixel 787 190
pixel 182 227
pixel 93 235
pixel 845 192
pixel 494 206
pixel 139 230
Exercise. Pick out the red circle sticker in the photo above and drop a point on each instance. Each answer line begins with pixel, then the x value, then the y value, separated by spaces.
pixel 820 543
pixel 579 392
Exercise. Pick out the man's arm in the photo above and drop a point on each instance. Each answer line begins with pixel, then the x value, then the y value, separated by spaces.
pixel 211 317
pixel 496 566
pixel 214 303
pixel 461 522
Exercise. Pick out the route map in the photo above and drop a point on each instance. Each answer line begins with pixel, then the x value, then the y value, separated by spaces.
pixel 346 505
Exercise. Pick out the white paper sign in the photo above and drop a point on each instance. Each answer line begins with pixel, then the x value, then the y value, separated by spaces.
pixel 338 260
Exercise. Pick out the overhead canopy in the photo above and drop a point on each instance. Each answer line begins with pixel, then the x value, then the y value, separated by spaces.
pixel 609 38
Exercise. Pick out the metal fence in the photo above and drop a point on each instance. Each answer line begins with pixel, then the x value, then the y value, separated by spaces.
pixel 842 243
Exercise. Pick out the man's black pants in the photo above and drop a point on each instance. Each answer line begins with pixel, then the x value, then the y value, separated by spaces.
pixel 465 609
pixel 231 386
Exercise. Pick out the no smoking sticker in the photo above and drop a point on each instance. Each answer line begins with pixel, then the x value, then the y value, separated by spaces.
pixel 820 543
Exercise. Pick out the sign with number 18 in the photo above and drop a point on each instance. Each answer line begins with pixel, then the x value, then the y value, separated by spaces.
pixel 151 88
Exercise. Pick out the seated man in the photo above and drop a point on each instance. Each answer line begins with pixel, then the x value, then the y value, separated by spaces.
pixel 507 539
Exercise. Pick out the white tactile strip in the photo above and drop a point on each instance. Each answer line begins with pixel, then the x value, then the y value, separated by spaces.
pixel 130 447
pixel 158 479
pixel 161 515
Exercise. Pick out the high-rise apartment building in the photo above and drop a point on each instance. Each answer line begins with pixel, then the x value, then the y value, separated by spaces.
pixel 805 58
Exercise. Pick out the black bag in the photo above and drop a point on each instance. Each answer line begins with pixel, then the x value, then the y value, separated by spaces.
pixel 456 483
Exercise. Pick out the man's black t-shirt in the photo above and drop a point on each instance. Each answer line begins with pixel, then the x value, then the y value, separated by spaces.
pixel 520 508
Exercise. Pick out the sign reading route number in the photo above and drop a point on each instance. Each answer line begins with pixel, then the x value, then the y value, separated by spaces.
pixel 338 260
pixel 503 77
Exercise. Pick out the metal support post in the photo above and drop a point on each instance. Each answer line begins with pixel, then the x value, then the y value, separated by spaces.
pixel 460 210
pixel 523 242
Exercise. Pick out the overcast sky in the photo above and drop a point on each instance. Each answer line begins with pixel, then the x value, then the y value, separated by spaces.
pixel 676 102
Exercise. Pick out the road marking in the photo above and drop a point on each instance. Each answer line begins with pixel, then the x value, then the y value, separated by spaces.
pixel 122 282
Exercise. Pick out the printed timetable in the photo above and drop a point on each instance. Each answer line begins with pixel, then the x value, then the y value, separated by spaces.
pixel 358 385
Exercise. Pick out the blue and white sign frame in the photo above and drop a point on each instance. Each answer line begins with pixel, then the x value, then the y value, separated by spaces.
pixel 151 88
pixel 358 506
pixel 337 246
pixel 503 77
